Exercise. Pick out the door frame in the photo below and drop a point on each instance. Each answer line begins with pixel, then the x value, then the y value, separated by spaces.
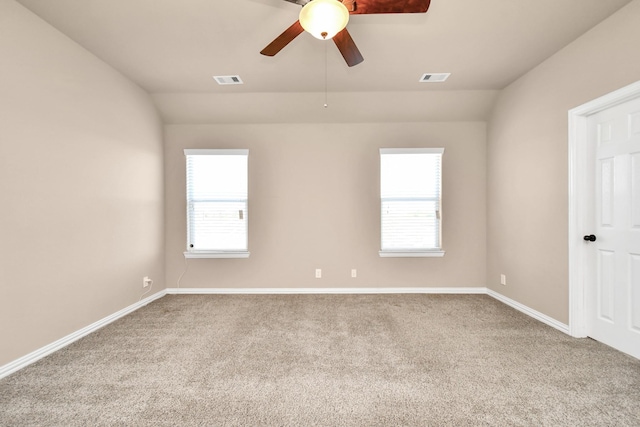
pixel 579 199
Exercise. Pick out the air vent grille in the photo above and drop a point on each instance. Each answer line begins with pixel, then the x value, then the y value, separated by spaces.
pixel 228 80
pixel 434 77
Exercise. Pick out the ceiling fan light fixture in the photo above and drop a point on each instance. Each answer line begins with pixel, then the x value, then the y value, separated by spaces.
pixel 323 19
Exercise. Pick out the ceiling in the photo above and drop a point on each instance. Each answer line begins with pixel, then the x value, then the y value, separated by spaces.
pixel 173 48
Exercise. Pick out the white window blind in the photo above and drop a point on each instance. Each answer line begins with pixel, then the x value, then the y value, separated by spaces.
pixel 410 193
pixel 217 192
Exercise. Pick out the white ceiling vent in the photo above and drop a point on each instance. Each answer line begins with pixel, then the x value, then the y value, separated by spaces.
pixel 434 77
pixel 228 80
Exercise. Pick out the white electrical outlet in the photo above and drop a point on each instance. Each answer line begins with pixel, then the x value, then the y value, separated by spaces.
pixel 503 280
pixel 354 273
pixel 146 282
pixel 318 273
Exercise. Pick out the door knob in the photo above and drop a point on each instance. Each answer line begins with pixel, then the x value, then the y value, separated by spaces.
pixel 590 238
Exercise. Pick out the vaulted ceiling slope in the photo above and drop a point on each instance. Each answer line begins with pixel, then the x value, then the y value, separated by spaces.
pixel 172 49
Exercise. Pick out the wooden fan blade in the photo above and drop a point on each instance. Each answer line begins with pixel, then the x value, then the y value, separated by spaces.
pixel 390 6
pixel 348 48
pixel 283 39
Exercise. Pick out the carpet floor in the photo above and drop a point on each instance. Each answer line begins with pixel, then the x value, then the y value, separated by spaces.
pixel 326 360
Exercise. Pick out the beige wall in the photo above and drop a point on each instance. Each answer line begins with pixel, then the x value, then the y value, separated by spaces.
pixel 314 203
pixel 80 185
pixel 528 160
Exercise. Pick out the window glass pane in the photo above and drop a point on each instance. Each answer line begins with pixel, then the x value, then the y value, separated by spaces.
pixel 410 175
pixel 218 225
pixel 219 177
pixel 410 185
pixel 409 225
pixel 217 187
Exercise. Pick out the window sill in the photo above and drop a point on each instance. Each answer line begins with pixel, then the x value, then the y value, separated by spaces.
pixel 225 254
pixel 411 254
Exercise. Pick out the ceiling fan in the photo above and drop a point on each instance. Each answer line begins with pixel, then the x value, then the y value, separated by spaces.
pixel 342 38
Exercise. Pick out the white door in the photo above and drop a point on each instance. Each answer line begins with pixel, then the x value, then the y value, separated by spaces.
pixel 613 279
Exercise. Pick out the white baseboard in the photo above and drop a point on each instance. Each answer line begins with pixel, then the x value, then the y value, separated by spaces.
pixel 63 342
pixel 34 356
pixel 529 311
pixel 272 291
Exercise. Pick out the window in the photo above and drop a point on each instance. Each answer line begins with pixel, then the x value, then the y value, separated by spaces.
pixel 410 187
pixel 217 193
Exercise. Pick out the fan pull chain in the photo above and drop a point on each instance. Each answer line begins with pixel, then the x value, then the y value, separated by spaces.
pixel 325 76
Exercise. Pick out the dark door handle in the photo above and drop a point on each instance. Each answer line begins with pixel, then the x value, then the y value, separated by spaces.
pixel 590 238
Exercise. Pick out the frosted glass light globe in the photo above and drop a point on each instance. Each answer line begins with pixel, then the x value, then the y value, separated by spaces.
pixel 323 19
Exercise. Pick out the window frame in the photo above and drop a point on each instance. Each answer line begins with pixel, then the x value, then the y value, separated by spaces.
pixel 211 253
pixel 419 252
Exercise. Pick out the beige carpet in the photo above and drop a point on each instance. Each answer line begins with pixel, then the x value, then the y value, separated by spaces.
pixel 326 360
